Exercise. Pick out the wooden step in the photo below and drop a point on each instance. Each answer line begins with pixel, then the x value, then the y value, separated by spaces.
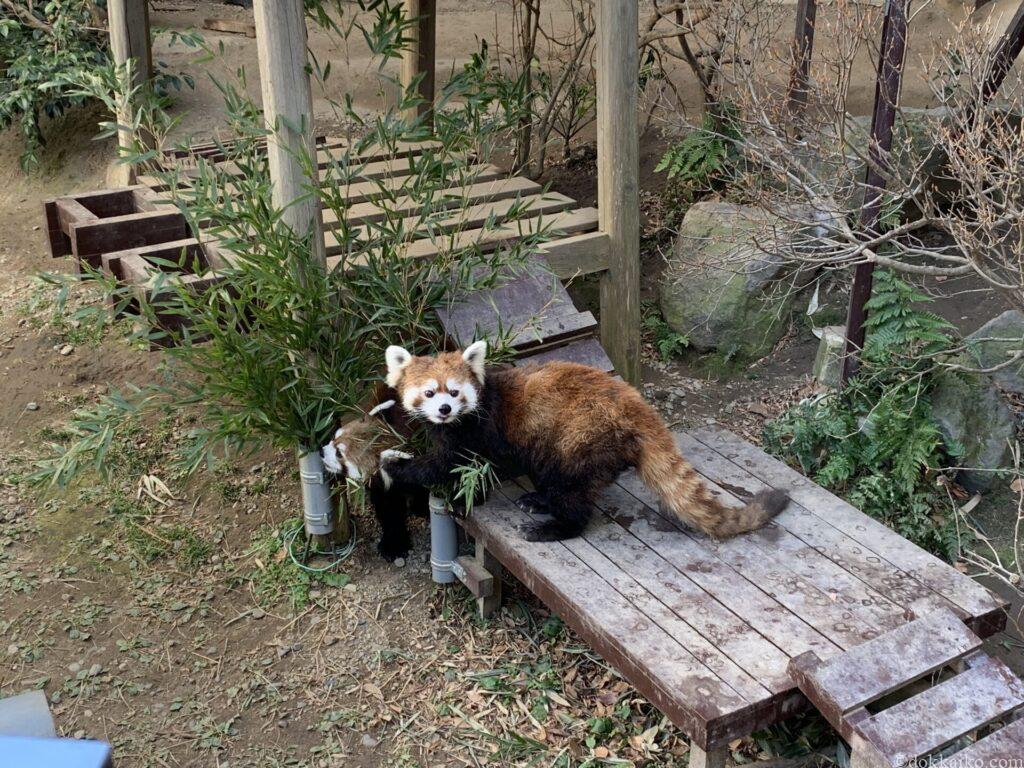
pixel 876 668
pixel 917 727
pixel 993 751
pixel 968 691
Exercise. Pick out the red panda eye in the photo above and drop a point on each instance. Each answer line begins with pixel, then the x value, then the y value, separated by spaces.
pixel 453 392
pixel 429 393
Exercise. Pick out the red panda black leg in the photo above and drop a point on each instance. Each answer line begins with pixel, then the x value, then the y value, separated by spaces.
pixel 390 505
pixel 570 513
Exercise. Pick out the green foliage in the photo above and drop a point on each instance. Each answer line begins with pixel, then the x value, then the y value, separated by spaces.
pixel 276 349
pixel 275 577
pixel 46 47
pixel 669 342
pixel 50 49
pixel 473 481
pixel 875 442
pixel 704 156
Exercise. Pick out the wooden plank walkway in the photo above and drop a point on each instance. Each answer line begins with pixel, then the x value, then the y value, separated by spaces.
pixel 706 629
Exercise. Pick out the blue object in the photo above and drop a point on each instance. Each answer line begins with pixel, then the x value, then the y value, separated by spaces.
pixel 25 752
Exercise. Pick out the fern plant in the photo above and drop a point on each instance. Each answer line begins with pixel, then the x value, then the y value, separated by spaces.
pixel 701 157
pixel 875 442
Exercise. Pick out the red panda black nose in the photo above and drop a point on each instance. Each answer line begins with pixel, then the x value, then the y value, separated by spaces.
pixel 444 409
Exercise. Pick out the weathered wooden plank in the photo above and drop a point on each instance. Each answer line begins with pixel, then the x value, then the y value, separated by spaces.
pixel 662 669
pixel 704 615
pixel 960 589
pixel 488 213
pixel 383 190
pixel 744 595
pixel 577 255
pixel 231 26
pixel 583 351
pixel 883 665
pixel 548 329
pixel 994 751
pixel 527 292
pixel 886 578
pixel 800 579
pixel 600 551
pixel 486 240
pixel 452 197
pixel 92 238
pixel 938 716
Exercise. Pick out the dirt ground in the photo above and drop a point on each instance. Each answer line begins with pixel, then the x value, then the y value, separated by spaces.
pixel 172 625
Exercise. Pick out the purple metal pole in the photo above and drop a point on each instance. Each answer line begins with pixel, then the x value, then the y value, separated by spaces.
pixel 803 46
pixel 887 94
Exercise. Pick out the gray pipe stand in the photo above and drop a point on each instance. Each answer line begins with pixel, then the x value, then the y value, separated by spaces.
pixel 444 542
pixel 317 510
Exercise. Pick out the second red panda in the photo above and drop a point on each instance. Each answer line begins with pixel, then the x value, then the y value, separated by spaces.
pixel 571 428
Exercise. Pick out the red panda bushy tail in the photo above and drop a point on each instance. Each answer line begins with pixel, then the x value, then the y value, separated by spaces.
pixel 663 469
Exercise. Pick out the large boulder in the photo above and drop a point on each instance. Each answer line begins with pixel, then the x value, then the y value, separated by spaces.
pixel 995 343
pixel 971 411
pixel 726 286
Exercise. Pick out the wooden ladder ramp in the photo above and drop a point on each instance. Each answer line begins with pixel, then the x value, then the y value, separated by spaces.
pixel 924 693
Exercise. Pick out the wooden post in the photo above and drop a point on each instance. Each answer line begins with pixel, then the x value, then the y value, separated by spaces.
pixel 128 21
pixel 288 111
pixel 418 56
pixel 803 47
pixel 712 758
pixel 887 94
pixel 617 182
pixel 491 603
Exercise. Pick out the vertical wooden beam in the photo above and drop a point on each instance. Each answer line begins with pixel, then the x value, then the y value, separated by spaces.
pixel 803 47
pixel 288 110
pixel 712 758
pixel 128 22
pixel 488 605
pixel 618 200
pixel 418 56
pixel 887 93
pixel 291 156
pixel 1009 47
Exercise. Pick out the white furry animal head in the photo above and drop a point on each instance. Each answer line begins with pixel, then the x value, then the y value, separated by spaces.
pixel 439 389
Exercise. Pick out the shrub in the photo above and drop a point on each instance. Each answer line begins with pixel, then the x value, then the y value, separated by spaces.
pixel 875 442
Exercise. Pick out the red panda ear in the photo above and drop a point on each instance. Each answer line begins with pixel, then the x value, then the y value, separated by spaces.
pixel 475 357
pixel 397 359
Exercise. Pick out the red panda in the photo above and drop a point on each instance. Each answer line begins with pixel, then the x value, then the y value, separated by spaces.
pixel 571 428
pixel 356 452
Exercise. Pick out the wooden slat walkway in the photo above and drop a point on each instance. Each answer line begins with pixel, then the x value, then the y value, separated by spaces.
pixel 706 629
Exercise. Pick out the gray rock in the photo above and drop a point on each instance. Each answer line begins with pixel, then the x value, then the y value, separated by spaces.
pixel 726 286
pixel 828 364
pixel 971 411
pixel 1008 328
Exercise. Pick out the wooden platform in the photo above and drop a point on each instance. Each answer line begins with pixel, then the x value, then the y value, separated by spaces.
pixel 706 629
pixel 135 234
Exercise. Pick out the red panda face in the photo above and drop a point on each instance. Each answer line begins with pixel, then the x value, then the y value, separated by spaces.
pixel 439 389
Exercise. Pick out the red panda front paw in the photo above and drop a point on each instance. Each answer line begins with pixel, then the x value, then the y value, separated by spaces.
pixel 534 503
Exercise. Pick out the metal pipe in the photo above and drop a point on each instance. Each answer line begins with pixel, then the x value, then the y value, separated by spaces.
pixel 444 542
pixel 317 509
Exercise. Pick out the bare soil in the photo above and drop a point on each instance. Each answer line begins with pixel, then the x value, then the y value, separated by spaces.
pixel 169 627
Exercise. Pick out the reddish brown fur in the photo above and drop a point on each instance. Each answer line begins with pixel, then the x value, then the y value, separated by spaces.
pixel 581 423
